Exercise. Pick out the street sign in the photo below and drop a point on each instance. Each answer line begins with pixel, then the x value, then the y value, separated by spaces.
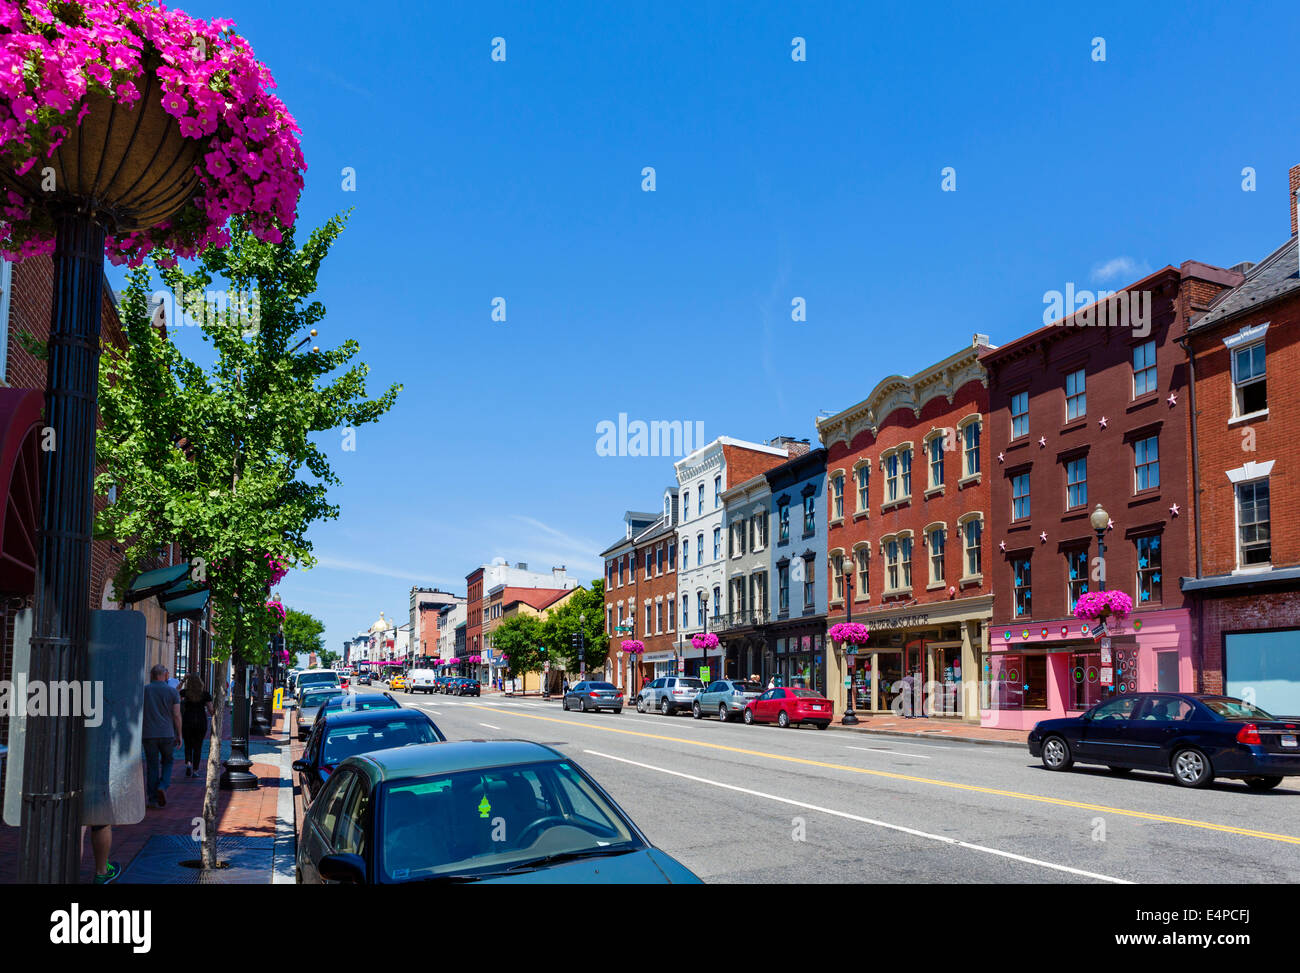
pixel 278 700
pixel 705 672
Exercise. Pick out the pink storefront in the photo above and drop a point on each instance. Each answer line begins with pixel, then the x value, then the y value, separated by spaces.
pixel 1058 668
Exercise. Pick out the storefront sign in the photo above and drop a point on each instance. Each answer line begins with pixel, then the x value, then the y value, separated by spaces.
pixel 705 674
pixel 898 621
pixel 1107 676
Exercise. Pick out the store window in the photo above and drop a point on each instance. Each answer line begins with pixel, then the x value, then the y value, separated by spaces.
pixel 1024 588
pixel 1076 569
pixel 1267 664
pixel 1017 682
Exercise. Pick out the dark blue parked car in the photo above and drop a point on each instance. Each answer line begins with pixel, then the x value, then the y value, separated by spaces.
pixel 1194 737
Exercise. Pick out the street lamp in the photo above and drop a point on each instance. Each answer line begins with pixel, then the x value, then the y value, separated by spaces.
pixel 1100 520
pixel 582 647
pixel 704 653
pixel 846 570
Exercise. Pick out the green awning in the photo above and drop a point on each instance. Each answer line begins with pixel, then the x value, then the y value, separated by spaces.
pixel 189 604
pixel 155 582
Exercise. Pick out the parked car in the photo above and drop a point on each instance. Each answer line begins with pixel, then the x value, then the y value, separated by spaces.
pixel 422 680
pixel 309 706
pixel 317 678
pixel 593 696
pixel 473 811
pixel 785 707
pixel 357 703
pixel 1196 737
pixel 465 686
pixel 726 698
pixel 440 684
pixel 364 678
pixel 397 682
pixel 668 694
pixel 290 682
pixel 337 736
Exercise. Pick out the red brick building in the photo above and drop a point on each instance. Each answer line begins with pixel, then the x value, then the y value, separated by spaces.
pixel 476 608
pixel 641 593
pixel 908 499
pixel 1092 411
pixel 1244 355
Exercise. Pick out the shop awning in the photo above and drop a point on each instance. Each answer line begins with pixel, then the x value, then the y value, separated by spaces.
pixel 185 600
pixel 155 582
pixel 20 487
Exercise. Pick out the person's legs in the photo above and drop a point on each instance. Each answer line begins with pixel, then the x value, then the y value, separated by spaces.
pixel 152 760
pixel 167 750
pixel 101 843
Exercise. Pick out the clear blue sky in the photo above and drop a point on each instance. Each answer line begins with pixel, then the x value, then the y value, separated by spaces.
pixel 775 179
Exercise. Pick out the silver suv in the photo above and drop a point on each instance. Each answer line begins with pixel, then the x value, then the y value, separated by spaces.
pixel 669 694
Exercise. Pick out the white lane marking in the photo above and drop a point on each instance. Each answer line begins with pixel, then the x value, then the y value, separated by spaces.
pixel 490 726
pixel 879 824
pixel 896 753
pixel 923 746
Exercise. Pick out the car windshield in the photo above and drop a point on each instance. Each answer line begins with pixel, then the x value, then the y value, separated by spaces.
pixel 359 704
pixel 318 679
pixel 319 697
pixel 342 742
pixel 1236 709
pixel 480 822
pixel 747 687
pixel 807 693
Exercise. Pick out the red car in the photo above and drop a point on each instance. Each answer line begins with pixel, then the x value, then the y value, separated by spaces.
pixel 785 706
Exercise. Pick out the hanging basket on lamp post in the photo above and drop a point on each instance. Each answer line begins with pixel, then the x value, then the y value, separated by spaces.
pixel 125 128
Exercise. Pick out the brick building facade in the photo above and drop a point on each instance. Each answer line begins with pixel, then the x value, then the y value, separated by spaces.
pixel 641 595
pixel 1092 411
pixel 908 487
pixel 1244 354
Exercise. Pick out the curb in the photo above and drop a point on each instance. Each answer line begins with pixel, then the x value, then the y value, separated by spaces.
pixel 284 853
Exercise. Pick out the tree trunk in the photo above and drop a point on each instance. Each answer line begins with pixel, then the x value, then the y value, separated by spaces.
pixel 214 775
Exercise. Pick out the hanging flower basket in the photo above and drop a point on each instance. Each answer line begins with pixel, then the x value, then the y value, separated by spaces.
pixel 851 633
pixel 633 646
pixel 704 640
pixel 276 608
pixel 1103 604
pixel 161 125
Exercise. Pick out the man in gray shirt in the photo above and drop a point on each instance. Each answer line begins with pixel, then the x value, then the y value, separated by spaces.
pixel 161 733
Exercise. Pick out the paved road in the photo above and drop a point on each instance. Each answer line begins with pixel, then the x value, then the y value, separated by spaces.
pixel 761 804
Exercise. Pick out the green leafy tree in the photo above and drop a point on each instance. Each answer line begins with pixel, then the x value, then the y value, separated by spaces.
pixel 519 637
pixel 303 633
pixel 328 657
pixel 221 458
pixel 559 625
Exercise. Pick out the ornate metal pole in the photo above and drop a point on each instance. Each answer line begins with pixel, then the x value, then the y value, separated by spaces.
pixel 54 755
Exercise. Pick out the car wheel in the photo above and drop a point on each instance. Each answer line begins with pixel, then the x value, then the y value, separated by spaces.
pixel 1056 754
pixel 1262 783
pixel 822 726
pixel 1192 768
pixel 665 707
pixel 783 719
pixel 640 705
pixel 695 710
pixel 619 710
pixel 722 713
pixel 582 704
pixel 749 717
pixel 1120 771
pixel 565 703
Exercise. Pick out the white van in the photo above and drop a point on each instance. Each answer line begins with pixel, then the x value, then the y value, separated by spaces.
pixel 420 680
pixel 315 679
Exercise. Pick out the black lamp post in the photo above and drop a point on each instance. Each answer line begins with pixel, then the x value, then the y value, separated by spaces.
pixel 238 775
pixel 1100 520
pixel 850 717
pixel 582 647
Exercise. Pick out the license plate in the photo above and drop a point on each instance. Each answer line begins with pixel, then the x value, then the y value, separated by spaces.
pixel 817 705
pixel 1288 740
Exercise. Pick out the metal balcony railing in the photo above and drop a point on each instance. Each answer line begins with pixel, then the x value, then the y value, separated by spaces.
pixel 741 619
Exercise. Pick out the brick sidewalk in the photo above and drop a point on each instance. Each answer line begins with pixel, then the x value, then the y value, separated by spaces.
pixel 890 725
pixel 242 813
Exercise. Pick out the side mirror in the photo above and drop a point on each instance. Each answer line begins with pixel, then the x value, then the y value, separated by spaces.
pixel 301 765
pixel 347 869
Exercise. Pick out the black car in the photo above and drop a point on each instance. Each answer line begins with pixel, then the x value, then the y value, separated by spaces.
pixel 474 811
pixel 363 679
pixel 594 695
pixel 464 686
pixel 338 736
pixel 441 683
pixel 1192 736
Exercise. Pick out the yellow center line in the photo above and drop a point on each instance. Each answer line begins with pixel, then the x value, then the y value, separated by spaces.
pixel 974 788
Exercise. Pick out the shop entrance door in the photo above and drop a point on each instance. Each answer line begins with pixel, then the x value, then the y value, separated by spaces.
pixel 944 678
pixel 914 660
pixel 891 670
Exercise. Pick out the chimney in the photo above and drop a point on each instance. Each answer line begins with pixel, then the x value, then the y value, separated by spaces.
pixel 1295 187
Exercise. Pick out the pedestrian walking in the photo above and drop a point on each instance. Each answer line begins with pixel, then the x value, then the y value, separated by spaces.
pixel 101 843
pixel 196 710
pixel 161 733
pixel 907 688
